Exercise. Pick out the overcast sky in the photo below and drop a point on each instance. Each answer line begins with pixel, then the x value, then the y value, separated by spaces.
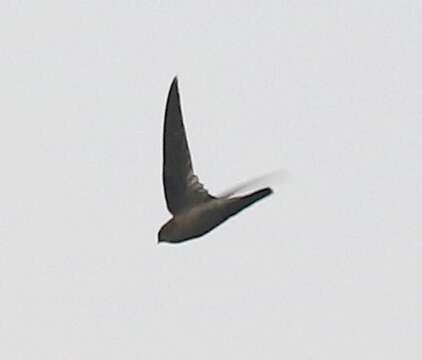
pixel 329 267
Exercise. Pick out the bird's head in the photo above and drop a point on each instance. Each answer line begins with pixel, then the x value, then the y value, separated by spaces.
pixel 166 232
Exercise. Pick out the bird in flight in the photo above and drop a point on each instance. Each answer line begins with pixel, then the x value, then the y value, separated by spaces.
pixel 195 212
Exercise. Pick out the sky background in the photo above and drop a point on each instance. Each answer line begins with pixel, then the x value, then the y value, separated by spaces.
pixel 329 267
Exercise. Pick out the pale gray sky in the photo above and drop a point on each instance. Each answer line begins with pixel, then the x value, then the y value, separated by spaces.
pixel 328 268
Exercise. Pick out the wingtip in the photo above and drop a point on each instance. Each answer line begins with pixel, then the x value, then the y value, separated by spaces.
pixel 174 88
pixel 268 190
pixel 264 192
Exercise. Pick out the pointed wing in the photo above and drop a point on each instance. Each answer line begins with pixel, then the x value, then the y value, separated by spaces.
pixel 273 177
pixel 181 186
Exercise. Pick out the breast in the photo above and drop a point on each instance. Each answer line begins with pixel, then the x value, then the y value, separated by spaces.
pixel 197 221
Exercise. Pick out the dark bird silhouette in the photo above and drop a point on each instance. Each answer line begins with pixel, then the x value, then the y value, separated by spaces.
pixel 195 212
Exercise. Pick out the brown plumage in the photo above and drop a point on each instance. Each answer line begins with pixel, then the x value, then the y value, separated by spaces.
pixel 195 212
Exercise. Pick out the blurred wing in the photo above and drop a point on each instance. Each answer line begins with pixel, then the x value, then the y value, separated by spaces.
pixel 181 186
pixel 273 177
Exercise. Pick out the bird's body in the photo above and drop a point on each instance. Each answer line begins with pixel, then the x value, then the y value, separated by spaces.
pixel 193 222
pixel 195 211
pixel 201 219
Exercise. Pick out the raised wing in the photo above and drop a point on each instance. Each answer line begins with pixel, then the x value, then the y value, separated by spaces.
pixel 181 186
